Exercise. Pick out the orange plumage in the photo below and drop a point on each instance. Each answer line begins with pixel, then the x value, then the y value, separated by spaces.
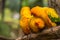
pixel 24 20
pixel 39 12
pixel 36 24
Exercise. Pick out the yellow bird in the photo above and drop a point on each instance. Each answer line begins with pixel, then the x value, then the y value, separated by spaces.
pixel 39 12
pixel 29 22
pixel 25 18
pixel 51 11
pixel 36 24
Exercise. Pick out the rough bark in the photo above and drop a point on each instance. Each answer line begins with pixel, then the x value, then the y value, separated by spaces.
pixel 55 4
pixel 47 34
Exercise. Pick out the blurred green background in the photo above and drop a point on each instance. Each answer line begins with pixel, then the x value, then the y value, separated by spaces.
pixel 9 18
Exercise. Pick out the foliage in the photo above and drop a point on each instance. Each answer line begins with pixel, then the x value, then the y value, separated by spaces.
pixel 4 30
pixel 13 4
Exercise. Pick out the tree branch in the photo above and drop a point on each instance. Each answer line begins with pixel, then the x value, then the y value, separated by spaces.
pixel 51 32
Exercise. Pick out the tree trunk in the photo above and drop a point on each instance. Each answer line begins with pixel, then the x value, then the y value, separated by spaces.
pixel 55 4
pixel 0 6
pixel 3 5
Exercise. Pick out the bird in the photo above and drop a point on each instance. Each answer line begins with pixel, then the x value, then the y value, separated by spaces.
pixel 24 19
pixel 39 12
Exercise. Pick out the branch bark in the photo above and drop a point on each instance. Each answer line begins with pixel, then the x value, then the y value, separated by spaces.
pixel 47 33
